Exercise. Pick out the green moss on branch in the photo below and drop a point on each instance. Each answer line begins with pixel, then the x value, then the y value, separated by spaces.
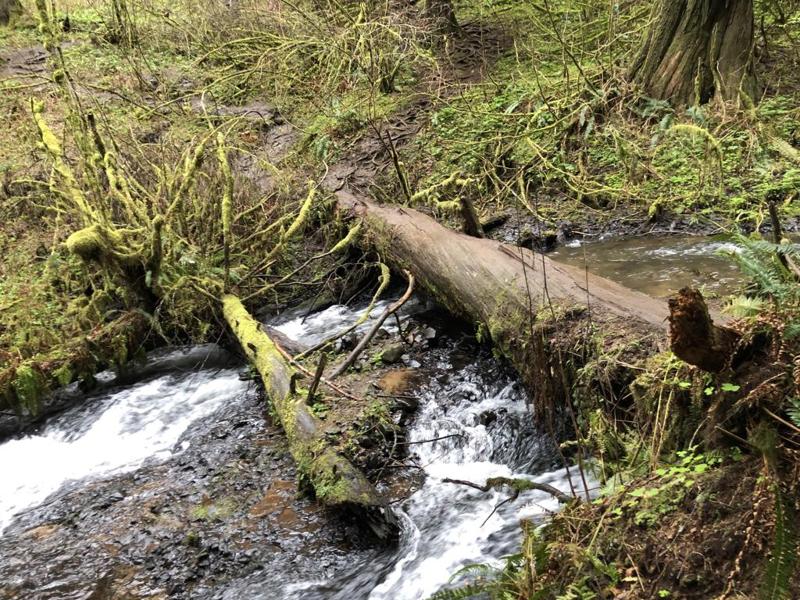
pixel 336 482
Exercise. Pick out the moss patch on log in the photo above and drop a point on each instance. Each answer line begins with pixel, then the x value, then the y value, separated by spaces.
pixel 336 482
pixel 25 384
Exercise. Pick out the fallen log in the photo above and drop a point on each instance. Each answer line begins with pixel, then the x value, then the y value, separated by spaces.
pixel 542 315
pixel 335 480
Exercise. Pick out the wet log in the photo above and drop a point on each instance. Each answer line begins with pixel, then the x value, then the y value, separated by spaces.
pixel 545 317
pixel 335 480
pixel 694 338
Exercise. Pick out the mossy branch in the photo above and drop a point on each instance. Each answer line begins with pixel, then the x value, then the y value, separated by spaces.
pixel 50 144
pixel 336 482
pixel 227 204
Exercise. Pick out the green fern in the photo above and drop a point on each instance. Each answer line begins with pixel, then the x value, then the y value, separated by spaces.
pixel 758 259
pixel 781 567
pixel 771 281
pixel 468 591
pixel 743 307
pixel 488 580
pixel 793 410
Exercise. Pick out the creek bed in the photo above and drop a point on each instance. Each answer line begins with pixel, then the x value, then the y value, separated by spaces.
pixel 478 415
pixel 174 483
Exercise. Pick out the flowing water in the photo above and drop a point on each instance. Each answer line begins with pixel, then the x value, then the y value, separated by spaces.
pixel 115 431
pixel 659 266
pixel 472 423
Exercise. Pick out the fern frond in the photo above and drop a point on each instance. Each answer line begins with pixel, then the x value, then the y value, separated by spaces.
pixel 470 590
pixel 780 569
pixel 745 307
pixel 793 410
pixel 759 261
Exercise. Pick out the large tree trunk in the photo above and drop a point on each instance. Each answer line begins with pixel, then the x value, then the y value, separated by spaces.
pixel 545 317
pixel 698 49
pixel 442 13
pixel 8 10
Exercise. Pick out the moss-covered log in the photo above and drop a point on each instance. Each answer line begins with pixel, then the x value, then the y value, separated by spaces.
pixel 336 482
pixel 547 318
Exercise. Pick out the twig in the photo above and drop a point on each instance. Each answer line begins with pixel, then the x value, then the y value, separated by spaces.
pixel 781 420
pixel 518 485
pixel 777 232
pixel 307 373
pixel 444 437
pixel 375 327
pixel 312 391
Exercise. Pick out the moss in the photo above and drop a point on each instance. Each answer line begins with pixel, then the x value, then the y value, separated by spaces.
pixel 29 387
pixel 64 375
pixel 335 480
pixel 214 511
pixel 87 243
pixel 105 245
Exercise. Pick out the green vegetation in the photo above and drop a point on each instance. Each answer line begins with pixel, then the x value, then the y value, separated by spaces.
pixel 159 156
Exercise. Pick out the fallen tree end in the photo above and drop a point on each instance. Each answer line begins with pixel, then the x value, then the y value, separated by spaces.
pixel 694 338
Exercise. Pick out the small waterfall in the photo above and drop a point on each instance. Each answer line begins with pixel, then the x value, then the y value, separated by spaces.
pixel 472 424
pixel 116 430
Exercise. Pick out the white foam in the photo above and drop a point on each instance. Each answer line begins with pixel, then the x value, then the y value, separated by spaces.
pixel 117 432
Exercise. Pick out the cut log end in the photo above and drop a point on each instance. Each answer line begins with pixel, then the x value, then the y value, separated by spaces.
pixel 694 338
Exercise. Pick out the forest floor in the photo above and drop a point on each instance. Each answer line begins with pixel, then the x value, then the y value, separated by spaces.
pixel 517 113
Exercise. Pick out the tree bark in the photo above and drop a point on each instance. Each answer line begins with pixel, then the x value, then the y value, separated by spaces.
pixel 694 338
pixel 696 50
pixel 543 316
pixel 336 482
pixel 9 9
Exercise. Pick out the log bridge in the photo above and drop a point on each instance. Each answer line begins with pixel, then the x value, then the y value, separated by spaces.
pixel 546 318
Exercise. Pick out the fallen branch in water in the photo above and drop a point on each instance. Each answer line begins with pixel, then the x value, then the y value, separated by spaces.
pixel 307 373
pixel 430 441
pixel 517 485
pixel 378 324
pixel 335 480
pixel 385 278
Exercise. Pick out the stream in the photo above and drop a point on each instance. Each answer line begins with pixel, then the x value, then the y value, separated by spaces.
pixel 658 265
pixel 479 416
pixel 116 431
pixel 178 483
